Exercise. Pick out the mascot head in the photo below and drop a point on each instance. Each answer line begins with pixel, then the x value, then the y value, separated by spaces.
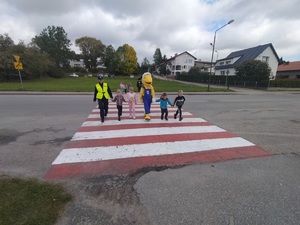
pixel 147 80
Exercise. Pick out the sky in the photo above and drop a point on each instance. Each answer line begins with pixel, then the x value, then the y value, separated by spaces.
pixel 173 26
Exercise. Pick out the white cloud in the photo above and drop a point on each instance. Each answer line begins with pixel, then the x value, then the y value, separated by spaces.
pixel 173 26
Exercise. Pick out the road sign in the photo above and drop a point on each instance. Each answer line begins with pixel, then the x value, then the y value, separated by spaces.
pixel 17 58
pixel 18 65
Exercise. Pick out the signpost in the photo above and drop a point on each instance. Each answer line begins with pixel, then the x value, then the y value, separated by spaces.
pixel 18 66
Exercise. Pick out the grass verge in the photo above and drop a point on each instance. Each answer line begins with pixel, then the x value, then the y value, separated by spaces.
pixel 30 201
pixel 85 84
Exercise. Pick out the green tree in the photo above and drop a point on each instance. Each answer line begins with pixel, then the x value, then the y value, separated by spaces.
pixel 5 42
pixel 6 56
pixel 92 50
pixel 253 70
pixel 37 63
pixel 145 65
pixel 157 57
pixel 54 41
pixel 110 59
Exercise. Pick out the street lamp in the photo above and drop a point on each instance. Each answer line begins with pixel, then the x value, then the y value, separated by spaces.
pixel 213 50
pixel 217 55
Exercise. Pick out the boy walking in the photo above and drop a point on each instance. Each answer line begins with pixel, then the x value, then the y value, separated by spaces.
pixel 164 101
pixel 119 99
pixel 179 101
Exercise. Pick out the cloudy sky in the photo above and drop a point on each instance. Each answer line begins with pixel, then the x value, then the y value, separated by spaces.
pixel 174 26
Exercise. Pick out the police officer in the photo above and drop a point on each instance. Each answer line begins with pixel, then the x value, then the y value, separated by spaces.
pixel 102 93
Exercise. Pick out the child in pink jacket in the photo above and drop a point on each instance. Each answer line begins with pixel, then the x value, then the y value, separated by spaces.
pixel 132 101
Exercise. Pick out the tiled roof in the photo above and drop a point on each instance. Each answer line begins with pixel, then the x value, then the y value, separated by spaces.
pixel 247 54
pixel 289 66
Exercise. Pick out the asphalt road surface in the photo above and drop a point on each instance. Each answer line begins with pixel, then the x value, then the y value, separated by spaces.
pixel 264 190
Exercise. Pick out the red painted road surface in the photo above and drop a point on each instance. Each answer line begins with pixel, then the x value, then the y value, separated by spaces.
pixel 118 147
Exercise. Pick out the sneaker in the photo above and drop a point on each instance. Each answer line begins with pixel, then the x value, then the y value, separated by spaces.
pixel 175 116
pixel 180 118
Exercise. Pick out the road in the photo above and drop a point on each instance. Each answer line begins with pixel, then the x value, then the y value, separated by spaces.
pixel 34 129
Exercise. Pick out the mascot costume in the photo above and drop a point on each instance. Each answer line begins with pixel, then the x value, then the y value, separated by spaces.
pixel 147 94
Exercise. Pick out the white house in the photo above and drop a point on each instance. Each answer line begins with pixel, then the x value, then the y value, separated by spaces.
pixel 264 53
pixel 179 63
pixel 77 63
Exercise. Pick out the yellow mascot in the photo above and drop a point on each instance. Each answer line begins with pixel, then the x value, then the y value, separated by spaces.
pixel 147 94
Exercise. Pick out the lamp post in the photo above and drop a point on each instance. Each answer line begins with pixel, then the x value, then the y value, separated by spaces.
pixel 217 55
pixel 213 50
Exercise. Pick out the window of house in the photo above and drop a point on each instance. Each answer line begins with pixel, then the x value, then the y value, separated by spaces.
pixel 227 62
pixel 223 72
pixel 221 63
pixel 265 59
pixel 298 76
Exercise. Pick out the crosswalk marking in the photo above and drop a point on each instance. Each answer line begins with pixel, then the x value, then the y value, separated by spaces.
pixel 142 150
pixel 124 146
pixel 140 132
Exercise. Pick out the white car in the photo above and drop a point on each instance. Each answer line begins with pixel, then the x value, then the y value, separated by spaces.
pixel 73 75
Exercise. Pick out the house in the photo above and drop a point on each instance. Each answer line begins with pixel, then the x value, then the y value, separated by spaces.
pixel 204 65
pixel 288 70
pixel 77 63
pixel 179 63
pixel 265 53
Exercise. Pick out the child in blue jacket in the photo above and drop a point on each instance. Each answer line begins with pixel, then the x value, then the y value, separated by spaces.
pixel 164 101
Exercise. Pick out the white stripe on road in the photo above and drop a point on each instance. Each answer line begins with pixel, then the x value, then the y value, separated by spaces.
pixel 76 155
pixel 126 114
pixel 139 121
pixel 136 110
pixel 155 131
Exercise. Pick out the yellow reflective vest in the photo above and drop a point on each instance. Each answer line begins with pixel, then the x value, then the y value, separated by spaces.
pixel 102 92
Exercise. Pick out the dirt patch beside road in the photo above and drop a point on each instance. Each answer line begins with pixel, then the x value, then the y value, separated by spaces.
pixel 105 200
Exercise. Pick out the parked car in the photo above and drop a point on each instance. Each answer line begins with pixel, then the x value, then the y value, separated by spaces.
pixel 111 75
pixel 73 75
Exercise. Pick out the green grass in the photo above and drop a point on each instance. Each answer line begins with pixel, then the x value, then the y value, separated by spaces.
pixel 84 84
pixel 30 201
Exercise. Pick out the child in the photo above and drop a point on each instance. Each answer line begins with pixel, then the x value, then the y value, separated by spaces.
pixel 119 99
pixel 164 101
pixel 179 101
pixel 132 101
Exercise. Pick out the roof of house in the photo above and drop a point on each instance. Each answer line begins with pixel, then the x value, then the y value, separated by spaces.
pixel 289 66
pixel 176 55
pixel 246 54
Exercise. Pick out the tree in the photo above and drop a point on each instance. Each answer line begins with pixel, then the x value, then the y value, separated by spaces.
pixel 126 59
pixel 110 59
pixel 253 70
pixel 157 57
pixel 37 63
pixel 92 49
pixel 54 41
pixel 5 42
pixel 145 66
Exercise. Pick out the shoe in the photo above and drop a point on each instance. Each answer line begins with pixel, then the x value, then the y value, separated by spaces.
pixel 102 120
pixel 130 117
pixel 166 119
pixel 180 118
pixel 161 118
pixel 175 116
pixel 119 118
pixel 134 117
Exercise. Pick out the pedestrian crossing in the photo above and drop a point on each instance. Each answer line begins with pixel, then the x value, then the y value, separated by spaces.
pixel 117 147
